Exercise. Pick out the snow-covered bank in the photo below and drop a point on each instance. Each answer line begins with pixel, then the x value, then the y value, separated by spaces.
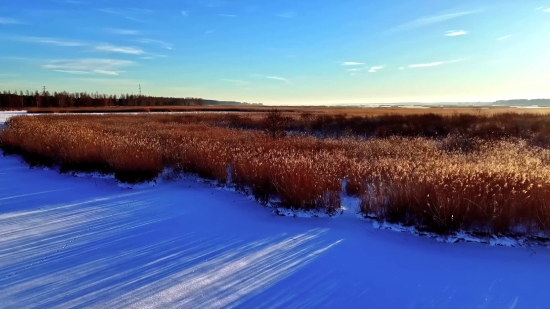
pixel 82 242
pixel 5 115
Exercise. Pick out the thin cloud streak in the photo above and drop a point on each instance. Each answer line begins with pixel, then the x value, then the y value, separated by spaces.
pixel 142 10
pixel 425 65
pixel 119 49
pixel 348 63
pixel 88 64
pixel 134 19
pixel 426 21
pixel 185 13
pixel 228 15
pixel 272 77
pixel 50 41
pixel 374 69
pixel 237 82
pixel 151 41
pixel 109 11
pixel 456 33
pixel 9 21
pixel 287 14
pixel 125 31
pixel 73 72
pixel 105 72
pixel 278 78
pixel 504 37
pixel 432 64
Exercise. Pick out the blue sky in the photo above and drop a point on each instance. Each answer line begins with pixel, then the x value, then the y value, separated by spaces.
pixel 280 52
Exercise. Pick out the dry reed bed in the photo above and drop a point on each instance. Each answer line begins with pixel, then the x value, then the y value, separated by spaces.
pixel 501 187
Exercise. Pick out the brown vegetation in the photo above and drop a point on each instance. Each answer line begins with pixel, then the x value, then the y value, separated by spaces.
pixel 446 184
pixel 463 128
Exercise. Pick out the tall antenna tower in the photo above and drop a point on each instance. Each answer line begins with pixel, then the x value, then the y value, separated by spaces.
pixel 140 90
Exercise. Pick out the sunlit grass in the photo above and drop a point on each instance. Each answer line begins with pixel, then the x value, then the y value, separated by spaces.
pixel 500 186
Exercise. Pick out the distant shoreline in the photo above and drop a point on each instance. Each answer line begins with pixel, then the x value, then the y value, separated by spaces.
pixel 360 111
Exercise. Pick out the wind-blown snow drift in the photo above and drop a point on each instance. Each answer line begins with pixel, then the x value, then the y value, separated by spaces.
pixel 82 242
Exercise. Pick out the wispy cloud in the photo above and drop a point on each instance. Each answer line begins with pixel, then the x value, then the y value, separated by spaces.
pixel 152 56
pixel 237 82
pixel 287 14
pixel 137 20
pixel 88 66
pixel 124 31
pixel 27 59
pixel 456 33
pixel 228 15
pixel 128 14
pixel 142 10
pixel 348 63
pixel 272 77
pixel 50 41
pixel 432 64
pixel 185 13
pixel 121 82
pixel 209 32
pixel 151 41
pixel 374 69
pixel 109 11
pixel 547 10
pixel 430 20
pixel 9 21
pixel 73 72
pixel 278 78
pixel 502 38
pixel 120 49
pixel 425 65
pixel 105 72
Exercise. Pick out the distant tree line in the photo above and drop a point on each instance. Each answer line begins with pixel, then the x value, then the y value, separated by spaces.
pixel 14 100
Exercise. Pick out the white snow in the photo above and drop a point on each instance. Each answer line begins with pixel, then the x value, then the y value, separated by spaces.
pixel 70 241
pixel 85 242
pixel 5 115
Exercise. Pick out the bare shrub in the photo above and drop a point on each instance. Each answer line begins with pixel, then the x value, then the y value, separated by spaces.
pixel 275 123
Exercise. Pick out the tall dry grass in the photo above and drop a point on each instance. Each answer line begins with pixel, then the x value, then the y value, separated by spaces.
pixel 498 186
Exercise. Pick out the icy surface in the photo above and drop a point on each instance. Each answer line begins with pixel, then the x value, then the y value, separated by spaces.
pixel 86 242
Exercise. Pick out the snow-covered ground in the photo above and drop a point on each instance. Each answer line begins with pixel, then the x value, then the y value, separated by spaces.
pixel 4 116
pixel 87 242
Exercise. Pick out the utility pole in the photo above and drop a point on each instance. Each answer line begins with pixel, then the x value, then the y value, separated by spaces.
pixel 44 90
